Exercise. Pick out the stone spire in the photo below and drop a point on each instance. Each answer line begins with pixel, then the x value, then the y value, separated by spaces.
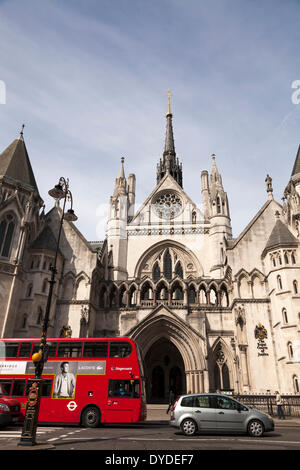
pixel 169 140
pixel 169 163
pixel 120 184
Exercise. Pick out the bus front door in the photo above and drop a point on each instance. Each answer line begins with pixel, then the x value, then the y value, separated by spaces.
pixel 122 405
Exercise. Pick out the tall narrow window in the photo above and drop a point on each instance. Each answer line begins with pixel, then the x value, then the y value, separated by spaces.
pixel 7 227
pixel 39 316
pixel 293 258
pixel 295 285
pixel 296 384
pixel 168 265
pixel 218 205
pixel 29 290
pixel 284 316
pixel 179 270
pixel 290 350
pixel 156 272
pixel 279 282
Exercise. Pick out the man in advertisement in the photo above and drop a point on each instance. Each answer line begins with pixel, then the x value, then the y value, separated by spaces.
pixel 64 384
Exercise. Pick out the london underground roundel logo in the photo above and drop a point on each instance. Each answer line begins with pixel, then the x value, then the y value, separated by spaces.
pixel 72 405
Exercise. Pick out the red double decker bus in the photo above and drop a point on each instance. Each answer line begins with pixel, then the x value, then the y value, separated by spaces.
pixel 85 381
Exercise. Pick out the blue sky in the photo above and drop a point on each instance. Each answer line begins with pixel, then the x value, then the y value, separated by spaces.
pixel 89 79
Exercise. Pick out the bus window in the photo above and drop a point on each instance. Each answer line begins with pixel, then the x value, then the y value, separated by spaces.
pixel 5 386
pixel 46 387
pixel 25 349
pixel 95 349
pixel 119 349
pixel 51 348
pixel 18 387
pixel 11 349
pixel 71 349
pixel 124 389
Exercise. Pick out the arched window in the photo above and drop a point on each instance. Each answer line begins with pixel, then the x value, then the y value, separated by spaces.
pixel 29 290
pixel 221 371
pixel 202 296
pixel 290 350
pixel 122 296
pixel 279 259
pixel 296 384
pixel 295 285
pixel 146 292
pixel 162 292
pixel 113 297
pixel 213 296
pixel 132 297
pixel 168 265
pixel 156 272
pixel 224 297
pixel 284 316
pixel 192 295
pixel 179 270
pixel 279 283
pixel 39 316
pixel 218 205
pixel 293 258
pixel 177 292
pixel 286 258
pixel 7 227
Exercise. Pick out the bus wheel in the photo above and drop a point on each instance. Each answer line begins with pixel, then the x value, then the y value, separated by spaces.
pixel 91 417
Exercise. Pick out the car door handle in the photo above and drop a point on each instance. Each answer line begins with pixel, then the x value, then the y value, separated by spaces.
pixel 221 412
pixel 197 411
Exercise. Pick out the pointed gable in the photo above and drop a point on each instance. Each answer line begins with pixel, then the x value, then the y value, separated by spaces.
pixel 45 241
pixel 15 164
pixel 280 237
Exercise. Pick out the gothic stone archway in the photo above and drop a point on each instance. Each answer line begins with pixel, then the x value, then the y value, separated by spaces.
pixel 164 331
pixel 164 369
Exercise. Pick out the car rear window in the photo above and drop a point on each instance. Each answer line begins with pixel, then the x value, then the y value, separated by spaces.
pixel 187 401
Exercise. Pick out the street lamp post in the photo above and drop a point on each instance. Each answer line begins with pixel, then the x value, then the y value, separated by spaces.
pixel 28 436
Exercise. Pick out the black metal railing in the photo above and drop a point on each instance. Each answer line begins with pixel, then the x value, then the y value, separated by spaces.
pixel 267 403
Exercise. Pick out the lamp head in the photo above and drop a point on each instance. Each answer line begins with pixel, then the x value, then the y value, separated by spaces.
pixel 57 192
pixel 70 216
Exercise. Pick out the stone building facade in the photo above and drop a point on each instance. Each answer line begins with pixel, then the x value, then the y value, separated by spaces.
pixel 207 310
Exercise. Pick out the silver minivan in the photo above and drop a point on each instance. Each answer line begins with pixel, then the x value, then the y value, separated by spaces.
pixel 214 412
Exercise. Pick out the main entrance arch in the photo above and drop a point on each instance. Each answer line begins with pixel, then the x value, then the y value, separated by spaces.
pixel 164 368
pixel 172 353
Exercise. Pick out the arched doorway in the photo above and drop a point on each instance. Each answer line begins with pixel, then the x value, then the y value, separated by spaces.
pixel 164 369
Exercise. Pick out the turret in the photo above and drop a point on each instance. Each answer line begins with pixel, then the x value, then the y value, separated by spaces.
pixel 218 209
pixel 116 225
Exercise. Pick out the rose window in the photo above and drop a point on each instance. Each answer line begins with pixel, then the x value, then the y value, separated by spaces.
pixel 168 205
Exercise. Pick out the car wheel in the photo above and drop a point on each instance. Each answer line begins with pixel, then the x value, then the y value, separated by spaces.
pixel 189 427
pixel 256 428
pixel 91 417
